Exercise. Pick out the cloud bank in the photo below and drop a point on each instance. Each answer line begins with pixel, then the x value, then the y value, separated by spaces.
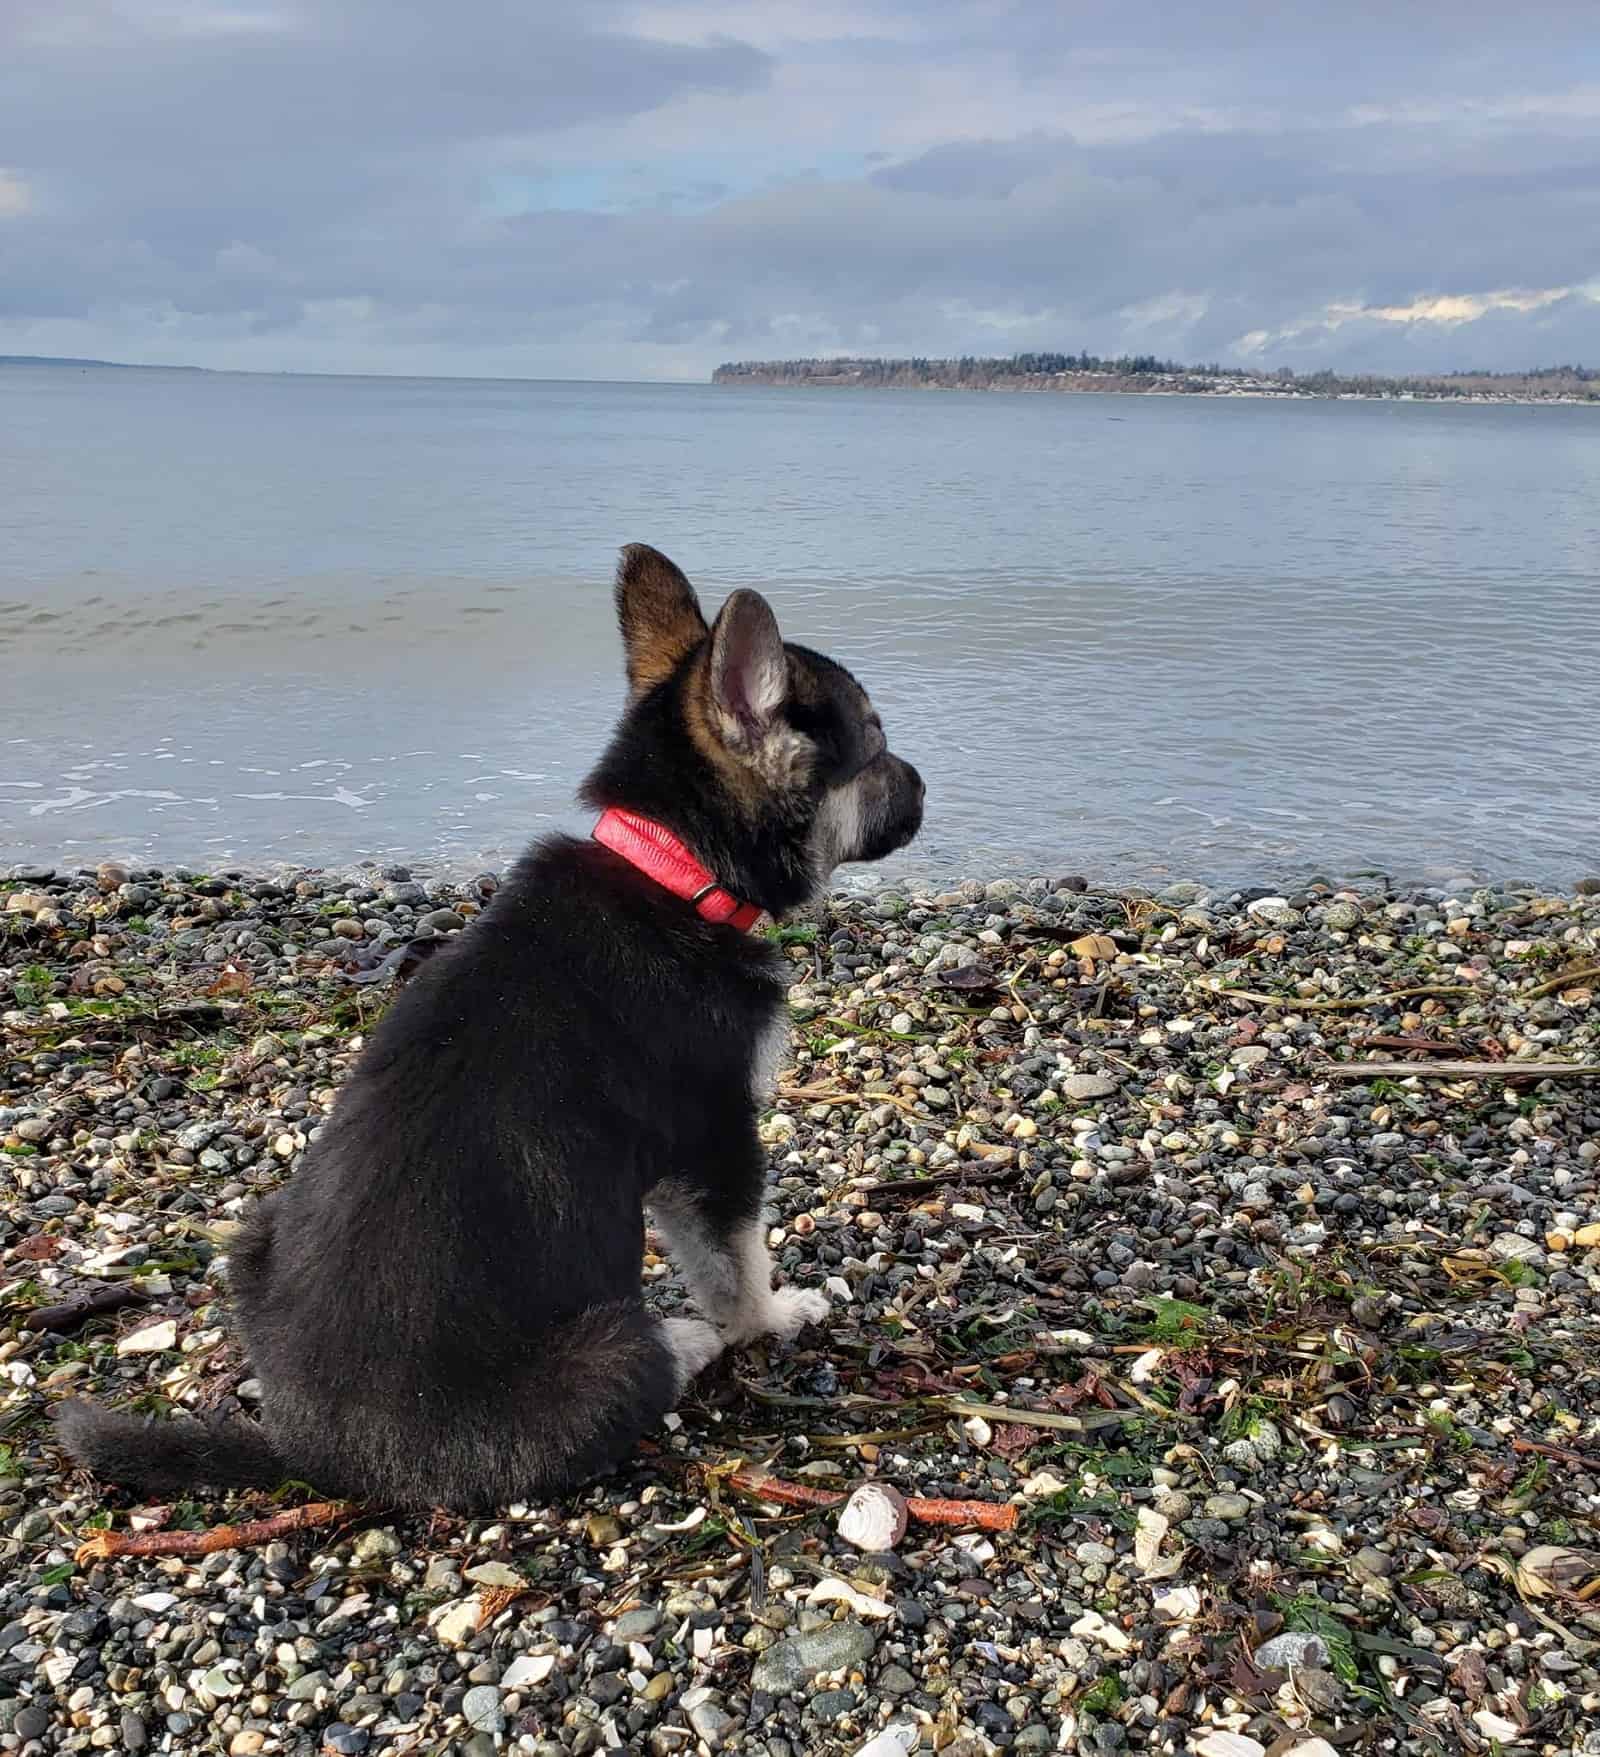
pixel 643 190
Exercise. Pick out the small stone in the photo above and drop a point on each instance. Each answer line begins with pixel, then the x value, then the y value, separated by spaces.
pixel 482 1710
pixel 152 1339
pixel 372 1549
pixel 457 1623
pixel 1084 1086
pixel 711 1723
pixel 1091 1626
pixel 1231 1508
pixel 1267 1438
pixel 606 1688
pixel 900 1738
pixel 1374 1562
pixel 1225 1744
pixel 440 921
pixel 603 1530
pixel 32 1723
pixel 494 1574
pixel 341 1740
pixel 785 1667
pixel 1291 1653
pixel 527 1671
pixel 1587 1238
pixel 638 1624
pixel 831 1705
pixel 348 928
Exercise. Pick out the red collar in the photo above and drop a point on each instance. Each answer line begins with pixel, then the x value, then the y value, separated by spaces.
pixel 660 855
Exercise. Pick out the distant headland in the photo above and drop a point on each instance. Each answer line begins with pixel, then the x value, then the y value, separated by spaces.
pixel 1145 375
pixel 113 365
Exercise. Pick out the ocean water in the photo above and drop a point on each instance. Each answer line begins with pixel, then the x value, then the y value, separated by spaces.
pixel 247 620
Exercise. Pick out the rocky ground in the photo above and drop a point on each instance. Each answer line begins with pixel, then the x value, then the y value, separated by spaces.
pixel 1288 1372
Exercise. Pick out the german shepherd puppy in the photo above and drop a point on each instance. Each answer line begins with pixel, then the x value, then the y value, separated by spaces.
pixel 443 1306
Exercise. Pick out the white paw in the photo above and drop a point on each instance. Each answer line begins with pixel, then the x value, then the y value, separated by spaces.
pixel 798 1306
pixel 694 1344
pixel 783 1314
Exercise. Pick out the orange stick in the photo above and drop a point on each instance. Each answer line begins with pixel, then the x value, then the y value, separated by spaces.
pixel 986 1515
pixel 101 1545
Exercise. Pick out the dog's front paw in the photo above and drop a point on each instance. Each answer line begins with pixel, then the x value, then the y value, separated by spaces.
pixel 784 1314
pixel 793 1308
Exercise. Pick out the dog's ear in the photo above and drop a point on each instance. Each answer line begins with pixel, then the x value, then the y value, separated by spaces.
pixel 659 616
pixel 749 670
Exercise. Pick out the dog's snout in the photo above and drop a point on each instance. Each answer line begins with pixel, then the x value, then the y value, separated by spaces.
pixel 912 793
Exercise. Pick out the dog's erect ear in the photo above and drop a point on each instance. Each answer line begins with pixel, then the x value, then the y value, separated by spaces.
pixel 659 615
pixel 749 672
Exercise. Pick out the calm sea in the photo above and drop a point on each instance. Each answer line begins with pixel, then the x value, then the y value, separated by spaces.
pixel 246 620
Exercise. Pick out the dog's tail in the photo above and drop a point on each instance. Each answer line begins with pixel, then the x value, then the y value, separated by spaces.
pixel 163 1458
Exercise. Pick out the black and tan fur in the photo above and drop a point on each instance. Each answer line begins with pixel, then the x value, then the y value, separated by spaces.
pixel 443 1305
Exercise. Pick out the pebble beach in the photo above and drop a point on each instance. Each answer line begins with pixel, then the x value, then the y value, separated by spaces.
pixel 1237 1250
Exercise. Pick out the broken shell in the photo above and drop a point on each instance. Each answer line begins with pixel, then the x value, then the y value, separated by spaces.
pixel 874 1518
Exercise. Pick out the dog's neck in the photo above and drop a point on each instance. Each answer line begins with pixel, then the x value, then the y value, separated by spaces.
pixel 663 856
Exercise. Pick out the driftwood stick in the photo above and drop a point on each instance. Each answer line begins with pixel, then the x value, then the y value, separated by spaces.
pixel 94 1304
pixel 1086 1423
pixel 1562 1454
pixel 1295 1003
pixel 1568 979
pixel 1425 1045
pixel 972 1173
pixel 104 1544
pixel 1506 1070
pixel 834 1095
pixel 985 1515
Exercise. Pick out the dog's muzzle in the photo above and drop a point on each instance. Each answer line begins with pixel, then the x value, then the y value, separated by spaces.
pixel 895 814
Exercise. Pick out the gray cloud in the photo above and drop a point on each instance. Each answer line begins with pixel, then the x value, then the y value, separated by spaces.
pixel 404 186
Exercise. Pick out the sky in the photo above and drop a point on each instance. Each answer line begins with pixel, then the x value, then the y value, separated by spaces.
pixel 645 188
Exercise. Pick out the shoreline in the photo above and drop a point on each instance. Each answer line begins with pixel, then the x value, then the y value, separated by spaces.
pixel 1285 1369
pixel 1213 396
pixel 855 882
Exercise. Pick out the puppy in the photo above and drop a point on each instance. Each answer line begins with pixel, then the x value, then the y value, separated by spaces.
pixel 443 1305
